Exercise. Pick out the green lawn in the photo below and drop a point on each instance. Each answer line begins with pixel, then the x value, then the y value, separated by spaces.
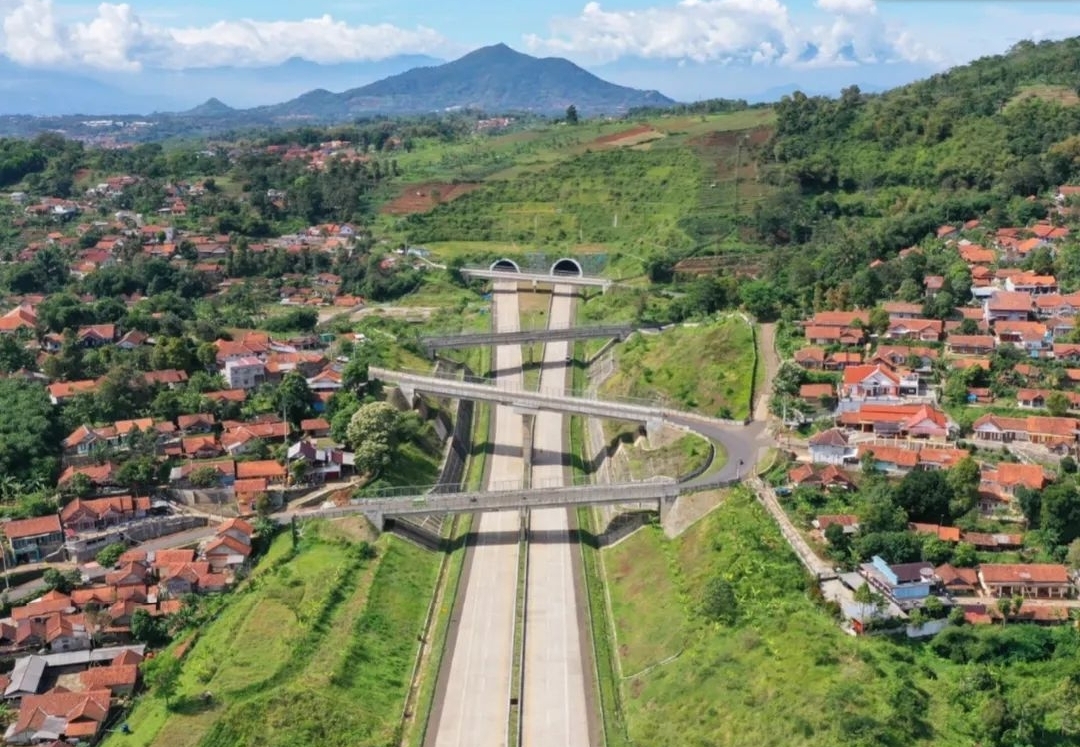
pixel 645 602
pixel 707 368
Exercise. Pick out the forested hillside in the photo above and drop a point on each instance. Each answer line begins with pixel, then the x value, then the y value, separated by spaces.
pixel 861 176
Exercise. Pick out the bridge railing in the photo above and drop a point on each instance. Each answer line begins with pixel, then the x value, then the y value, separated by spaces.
pixel 516 387
pixel 497 486
pixel 539 327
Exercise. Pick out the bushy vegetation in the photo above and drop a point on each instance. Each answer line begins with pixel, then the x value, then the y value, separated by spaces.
pixel 317 648
pixel 619 197
pixel 707 368
pixel 760 662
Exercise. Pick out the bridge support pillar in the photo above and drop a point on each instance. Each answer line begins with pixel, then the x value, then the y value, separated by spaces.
pixel 535 283
pixel 653 426
pixel 666 504
pixel 377 519
pixel 528 424
pixel 409 393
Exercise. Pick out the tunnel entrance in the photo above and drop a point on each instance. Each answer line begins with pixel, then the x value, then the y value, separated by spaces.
pixel 505 265
pixel 567 266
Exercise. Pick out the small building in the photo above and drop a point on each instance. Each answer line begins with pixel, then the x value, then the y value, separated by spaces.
pixel 831 447
pixel 33 540
pixel 957 581
pixel 903 583
pixel 1032 580
pixel 246 372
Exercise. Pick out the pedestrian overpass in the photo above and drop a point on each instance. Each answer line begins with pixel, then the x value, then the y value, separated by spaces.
pixel 502 497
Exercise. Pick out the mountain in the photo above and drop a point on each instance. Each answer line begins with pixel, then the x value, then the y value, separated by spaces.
pixel 210 108
pixel 52 93
pixel 495 79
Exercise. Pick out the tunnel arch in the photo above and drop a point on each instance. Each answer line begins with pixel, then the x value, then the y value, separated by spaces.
pixel 505 265
pixel 567 266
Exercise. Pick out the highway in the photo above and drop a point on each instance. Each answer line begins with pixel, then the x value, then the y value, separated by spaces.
pixel 553 710
pixel 475 707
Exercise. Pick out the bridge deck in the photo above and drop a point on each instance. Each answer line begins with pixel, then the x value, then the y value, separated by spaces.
pixel 557 401
pixel 498 499
pixel 536 277
pixel 473 339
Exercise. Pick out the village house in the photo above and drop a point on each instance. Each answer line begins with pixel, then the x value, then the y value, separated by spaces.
pixel 902 310
pixel 1068 352
pixel 898 460
pixel 59 715
pixel 1031 581
pixel 1006 478
pixel 818 396
pixel 970 344
pixel 878 382
pixel 919 421
pixel 943 533
pixel 85 515
pixel 244 373
pixel 1035 399
pixel 923 330
pixel 231 546
pixel 269 469
pixel 903 583
pixel 849 523
pixel 828 478
pixel 1052 432
pixel 1004 306
pixel 998 542
pixel 63 391
pixel 957 581
pixel 103 478
pixel 196 424
pixel 1054 304
pixel 34 540
pixel 169 377
pixel 1032 337
pixel 315 428
pixel 831 447
pixel 1027 282
pixel 180 476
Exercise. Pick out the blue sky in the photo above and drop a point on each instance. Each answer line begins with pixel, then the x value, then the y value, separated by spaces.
pixel 689 47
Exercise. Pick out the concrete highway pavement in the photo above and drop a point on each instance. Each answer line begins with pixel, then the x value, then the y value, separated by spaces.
pixel 554 699
pixel 476 703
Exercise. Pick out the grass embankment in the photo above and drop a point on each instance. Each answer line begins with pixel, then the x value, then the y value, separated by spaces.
pixel 783 672
pixel 317 650
pixel 620 198
pixel 673 453
pixel 438 633
pixel 605 658
pixel 707 368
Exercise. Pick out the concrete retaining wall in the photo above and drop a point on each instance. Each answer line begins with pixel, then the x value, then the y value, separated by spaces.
pixel 82 549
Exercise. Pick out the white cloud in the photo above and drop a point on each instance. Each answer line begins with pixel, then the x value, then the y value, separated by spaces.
pixel 848 7
pixel 116 38
pixel 759 32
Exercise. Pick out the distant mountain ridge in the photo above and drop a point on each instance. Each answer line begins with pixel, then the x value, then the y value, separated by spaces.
pixel 495 79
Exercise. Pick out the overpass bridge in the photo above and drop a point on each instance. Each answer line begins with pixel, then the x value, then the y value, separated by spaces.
pixel 502 272
pixel 500 497
pixel 524 337
pixel 653 416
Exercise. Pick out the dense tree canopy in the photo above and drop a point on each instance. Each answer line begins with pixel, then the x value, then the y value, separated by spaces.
pixel 29 433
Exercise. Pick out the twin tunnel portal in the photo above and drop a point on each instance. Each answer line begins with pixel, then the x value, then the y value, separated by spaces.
pixel 565 267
